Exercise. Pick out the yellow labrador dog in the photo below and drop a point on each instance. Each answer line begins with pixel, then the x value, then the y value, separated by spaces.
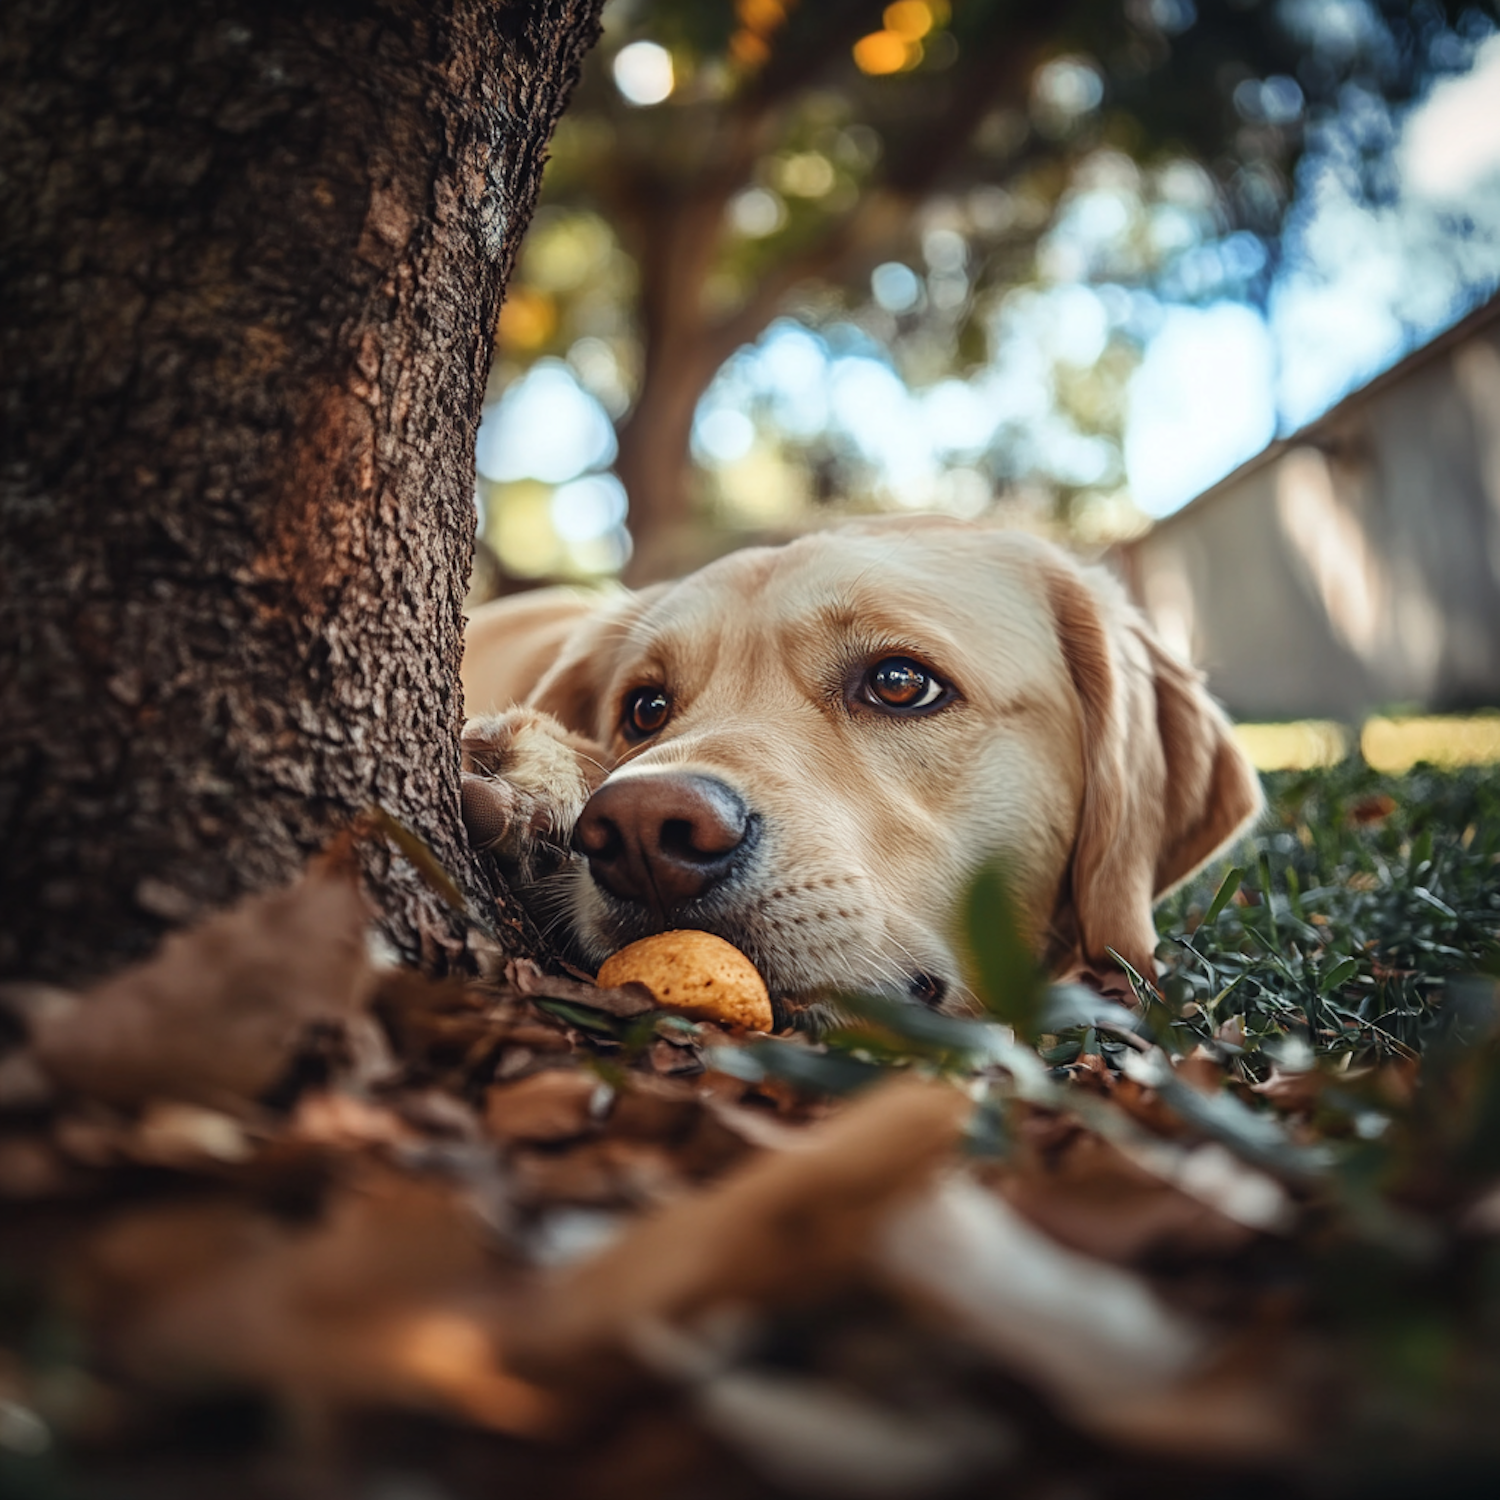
pixel 811 749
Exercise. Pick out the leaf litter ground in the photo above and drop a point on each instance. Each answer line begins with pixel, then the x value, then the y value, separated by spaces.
pixel 279 1222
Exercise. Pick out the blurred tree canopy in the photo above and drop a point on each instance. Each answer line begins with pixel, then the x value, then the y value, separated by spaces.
pixel 887 184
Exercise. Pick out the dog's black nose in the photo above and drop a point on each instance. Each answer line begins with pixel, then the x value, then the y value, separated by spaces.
pixel 662 840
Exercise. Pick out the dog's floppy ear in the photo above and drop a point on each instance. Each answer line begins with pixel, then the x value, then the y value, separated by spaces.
pixel 572 689
pixel 1165 784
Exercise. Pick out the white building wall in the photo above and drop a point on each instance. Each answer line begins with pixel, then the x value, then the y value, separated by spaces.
pixel 1357 565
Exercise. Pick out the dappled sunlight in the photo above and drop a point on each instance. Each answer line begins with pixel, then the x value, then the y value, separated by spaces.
pixel 1377 606
pixel 1389 745
pixel 1074 333
pixel 1167 596
pixel 548 506
pixel 1326 536
pixel 547 427
pixel 1294 747
pixel 1395 745
pixel 1369 276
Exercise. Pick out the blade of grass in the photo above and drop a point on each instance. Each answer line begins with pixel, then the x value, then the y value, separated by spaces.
pixel 1342 971
pixel 426 864
pixel 1224 895
pixel 1269 902
pixel 1010 981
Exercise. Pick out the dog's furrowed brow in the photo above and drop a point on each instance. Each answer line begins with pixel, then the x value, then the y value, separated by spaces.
pixel 857 627
pixel 670 654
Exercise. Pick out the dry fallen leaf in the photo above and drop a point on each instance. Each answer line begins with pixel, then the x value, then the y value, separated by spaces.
pixel 29 1169
pixel 344 1123
pixel 656 1109
pixel 554 1105
pixel 1092 1197
pixel 389 1298
pixel 782 1228
pixel 217 1015
pixel 169 1134
pixel 1080 1329
pixel 624 1001
pixel 1294 1092
pixel 1254 1402
pixel 817 1439
pixel 600 1173
pixel 1116 1358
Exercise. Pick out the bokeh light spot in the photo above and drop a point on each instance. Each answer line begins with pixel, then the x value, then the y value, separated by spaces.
pixel 1068 86
pixel 588 508
pixel 806 174
pixel 722 436
pixel 643 73
pixel 911 20
pixel 545 427
pixel 883 52
pixel 895 287
pixel 527 319
pixel 757 213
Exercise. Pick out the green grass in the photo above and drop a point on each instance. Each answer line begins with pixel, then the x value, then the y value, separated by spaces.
pixel 1362 896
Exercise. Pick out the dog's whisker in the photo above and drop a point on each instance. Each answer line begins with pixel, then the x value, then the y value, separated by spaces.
pixel 917 966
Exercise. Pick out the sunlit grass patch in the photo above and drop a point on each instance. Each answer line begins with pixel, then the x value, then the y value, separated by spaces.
pixel 1390 744
pixel 1398 744
pixel 1294 747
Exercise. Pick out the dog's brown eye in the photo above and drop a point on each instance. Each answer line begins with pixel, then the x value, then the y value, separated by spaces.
pixel 900 682
pixel 646 710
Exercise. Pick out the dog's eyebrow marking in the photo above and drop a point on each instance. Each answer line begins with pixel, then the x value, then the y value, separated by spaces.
pixel 857 632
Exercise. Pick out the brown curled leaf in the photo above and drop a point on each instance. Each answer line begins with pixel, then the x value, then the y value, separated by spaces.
pixel 784 1228
pixel 625 1002
pixel 218 1013
pixel 389 1298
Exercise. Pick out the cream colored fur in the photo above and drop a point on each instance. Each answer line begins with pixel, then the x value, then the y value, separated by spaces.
pixel 1077 747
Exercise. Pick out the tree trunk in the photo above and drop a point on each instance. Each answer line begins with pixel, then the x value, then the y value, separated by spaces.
pixel 250 265
pixel 675 235
pixel 654 463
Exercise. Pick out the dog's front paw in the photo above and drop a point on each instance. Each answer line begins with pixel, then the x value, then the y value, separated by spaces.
pixel 525 780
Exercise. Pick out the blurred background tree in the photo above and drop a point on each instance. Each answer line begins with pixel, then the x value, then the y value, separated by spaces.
pixel 800 257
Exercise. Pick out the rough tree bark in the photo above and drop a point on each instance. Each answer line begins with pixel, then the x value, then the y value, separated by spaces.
pixel 250 264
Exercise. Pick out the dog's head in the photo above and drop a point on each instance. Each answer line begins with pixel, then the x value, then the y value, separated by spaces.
pixel 817 746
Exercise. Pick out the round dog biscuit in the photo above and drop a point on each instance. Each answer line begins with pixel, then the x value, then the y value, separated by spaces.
pixel 697 975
